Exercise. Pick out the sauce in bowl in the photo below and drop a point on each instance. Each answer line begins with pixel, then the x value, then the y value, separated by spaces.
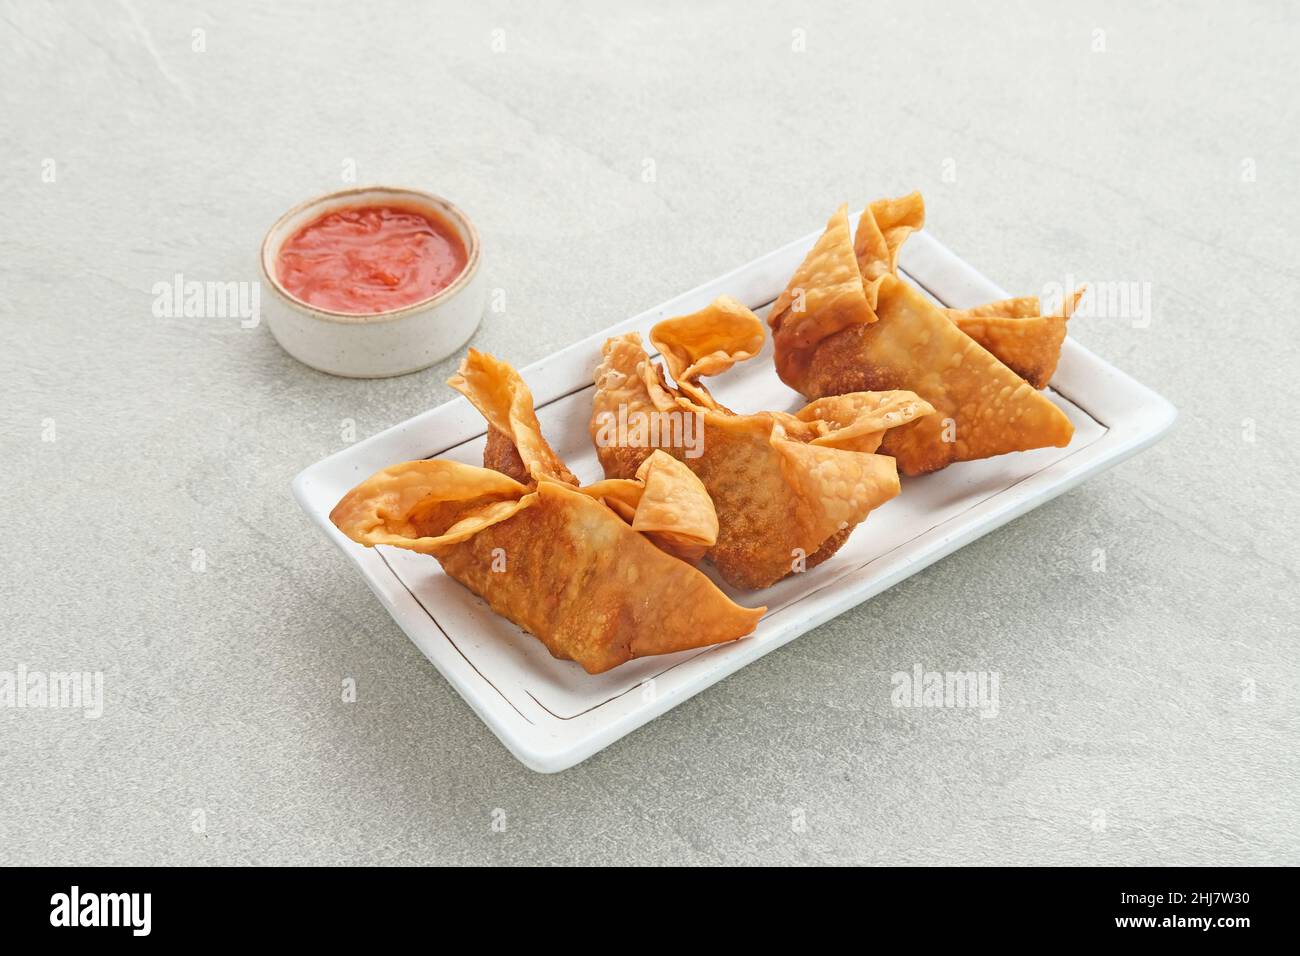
pixel 364 260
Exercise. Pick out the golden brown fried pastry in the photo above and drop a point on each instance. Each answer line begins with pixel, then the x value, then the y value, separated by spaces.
pixel 788 489
pixel 515 445
pixel 710 341
pixel 982 408
pixel 1016 331
pixel 665 502
pixel 858 420
pixel 590 572
pixel 426 505
pixel 881 235
pixel 825 294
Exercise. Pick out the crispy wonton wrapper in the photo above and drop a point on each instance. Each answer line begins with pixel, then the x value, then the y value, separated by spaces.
pixel 1016 331
pixel 590 572
pixel 515 445
pixel 788 489
pixel 982 407
pixel 665 502
pixel 825 294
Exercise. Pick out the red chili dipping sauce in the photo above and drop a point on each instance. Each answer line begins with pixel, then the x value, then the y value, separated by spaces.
pixel 368 259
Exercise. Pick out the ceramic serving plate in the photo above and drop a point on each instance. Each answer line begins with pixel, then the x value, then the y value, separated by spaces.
pixel 551 714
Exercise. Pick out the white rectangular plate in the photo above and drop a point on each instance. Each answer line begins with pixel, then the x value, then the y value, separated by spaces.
pixel 551 714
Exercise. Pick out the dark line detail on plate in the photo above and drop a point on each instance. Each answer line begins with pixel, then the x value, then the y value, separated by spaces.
pixel 1057 390
pixel 444 633
pixel 700 652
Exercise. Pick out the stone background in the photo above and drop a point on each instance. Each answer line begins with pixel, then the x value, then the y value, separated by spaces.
pixel 1148 713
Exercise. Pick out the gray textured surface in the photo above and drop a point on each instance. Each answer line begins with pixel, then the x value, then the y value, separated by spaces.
pixel 1127 731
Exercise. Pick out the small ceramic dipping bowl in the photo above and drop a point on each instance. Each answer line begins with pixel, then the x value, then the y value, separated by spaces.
pixel 379 344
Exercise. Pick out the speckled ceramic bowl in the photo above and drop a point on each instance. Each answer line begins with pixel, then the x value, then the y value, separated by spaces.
pixel 380 344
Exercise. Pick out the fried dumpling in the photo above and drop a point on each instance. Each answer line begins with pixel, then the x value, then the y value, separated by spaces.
pixel 591 572
pixel 707 342
pixel 825 294
pixel 666 502
pixel 515 445
pixel 1016 331
pixel 857 421
pixel 788 489
pixel 1030 345
pixel 981 407
pixel 880 235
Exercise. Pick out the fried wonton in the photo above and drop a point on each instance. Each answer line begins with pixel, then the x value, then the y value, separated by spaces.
pixel 825 294
pixel 591 572
pixel 1016 331
pixel 666 502
pixel 880 236
pixel 982 407
pixel 515 445
pixel 788 489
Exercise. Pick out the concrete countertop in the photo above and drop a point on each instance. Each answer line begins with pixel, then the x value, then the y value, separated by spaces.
pixel 1148 710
